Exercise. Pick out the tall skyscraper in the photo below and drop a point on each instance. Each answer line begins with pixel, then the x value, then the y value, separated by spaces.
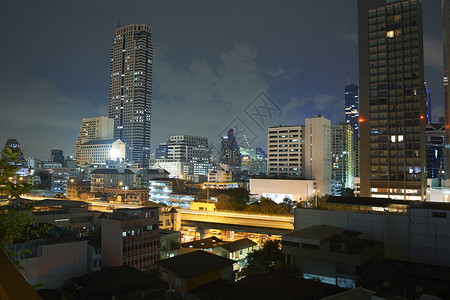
pixel 229 152
pixel 130 91
pixel 427 104
pixel 352 108
pixel 435 137
pixel 391 99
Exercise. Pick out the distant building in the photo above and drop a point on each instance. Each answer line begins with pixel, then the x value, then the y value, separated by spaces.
pixel 143 176
pixel 169 218
pixel 435 143
pixel 342 157
pixel 76 188
pixel 186 155
pixel 219 175
pixel 57 155
pixel 101 151
pixel 352 108
pixel 255 166
pixel 285 151
pixel 94 129
pixel 60 178
pixel 101 178
pixel 131 237
pixel 130 89
pixel 14 144
pixel 229 152
pixel 317 153
pixel 161 151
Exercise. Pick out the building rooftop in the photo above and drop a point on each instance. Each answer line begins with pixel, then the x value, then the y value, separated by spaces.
pixel 206 243
pixel 315 235
pixel 195 263
pixel 111 171
pixel 54 202
pixel 239 245
pixel 152 171
pixel 267 286
pixel 100 142
pixel 364 201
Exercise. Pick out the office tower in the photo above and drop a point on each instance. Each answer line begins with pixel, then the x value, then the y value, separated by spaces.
pixel 435 140
pixel 229 152
pixel 342 157
pixel 130 91
pixel 446 40
pixel 260 153
pixel 317 152
pixel 391 93
pixel 57 155
pixel 101 151
pixel 427 104
pixel 352 108
pixel 94 129
pixel 186 155
pixel 161 151
pixel 285 149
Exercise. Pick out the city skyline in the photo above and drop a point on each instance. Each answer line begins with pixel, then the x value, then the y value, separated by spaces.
pixel 212 66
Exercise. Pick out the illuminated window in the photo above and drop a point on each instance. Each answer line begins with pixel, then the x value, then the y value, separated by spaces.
pixel 390 34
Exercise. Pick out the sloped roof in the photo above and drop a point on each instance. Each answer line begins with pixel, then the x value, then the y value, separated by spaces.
pixel 111 171
pixel 100 142
pixel 206 243
pixel 314 235
pixel 239 245
pixel 195 263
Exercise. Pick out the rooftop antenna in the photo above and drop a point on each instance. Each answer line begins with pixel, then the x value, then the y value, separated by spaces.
pixel 118 24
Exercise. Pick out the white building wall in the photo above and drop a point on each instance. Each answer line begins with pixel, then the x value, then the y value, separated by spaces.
pixel 301 190
pixel 317 149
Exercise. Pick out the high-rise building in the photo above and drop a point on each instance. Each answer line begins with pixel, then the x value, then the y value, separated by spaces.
pixel 285 149
pixel 317 152
pixel 435 138
pixel 161 151
pixel 130 91
pixel 446 40
pixel 57 155
pixel 427 104
pixel 94 129
pixel 342 157
pixel 391 99
pixel 185 155
pixel 229 152
pixel 352 107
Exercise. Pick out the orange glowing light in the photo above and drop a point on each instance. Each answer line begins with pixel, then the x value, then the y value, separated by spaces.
pixel 361 120
pixel 422 117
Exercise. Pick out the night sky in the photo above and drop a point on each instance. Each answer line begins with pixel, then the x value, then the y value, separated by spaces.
pixel 211 61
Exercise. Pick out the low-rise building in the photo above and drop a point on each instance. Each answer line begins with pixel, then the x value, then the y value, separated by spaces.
pixel 101 178
pixel 75 188
pixel 131 237
pixel 170 243
pixel 204 205
pixel 142 177
pixel 60 178
pixel 192 270
pixel 237 251
pixel 100 151
pixel 331 254
pixel 169 218
pixel 94 253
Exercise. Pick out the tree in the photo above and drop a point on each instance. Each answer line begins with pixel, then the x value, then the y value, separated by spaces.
pixel 16 218
pixel 268 259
